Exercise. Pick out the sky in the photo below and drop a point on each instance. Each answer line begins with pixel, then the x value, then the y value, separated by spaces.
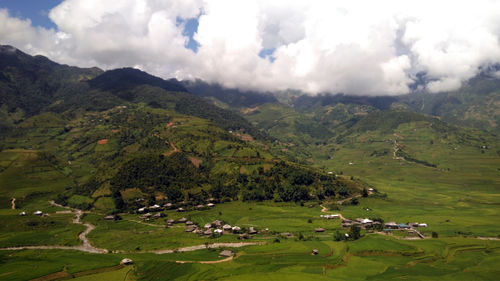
pixel 354 47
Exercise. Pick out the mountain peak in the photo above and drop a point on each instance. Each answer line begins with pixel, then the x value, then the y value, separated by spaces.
pixel 7 49
pixel 123 78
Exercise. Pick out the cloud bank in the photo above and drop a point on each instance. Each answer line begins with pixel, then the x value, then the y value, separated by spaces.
pixel 354 47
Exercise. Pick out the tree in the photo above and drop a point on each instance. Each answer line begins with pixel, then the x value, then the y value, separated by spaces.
pixel 355 232
pixel 365 192
pixel 337 236
pixel 354 201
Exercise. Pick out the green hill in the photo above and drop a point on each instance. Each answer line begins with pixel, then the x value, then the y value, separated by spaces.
pixel 131 136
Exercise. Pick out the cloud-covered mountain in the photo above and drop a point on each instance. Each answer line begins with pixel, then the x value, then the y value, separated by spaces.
pixel 354 47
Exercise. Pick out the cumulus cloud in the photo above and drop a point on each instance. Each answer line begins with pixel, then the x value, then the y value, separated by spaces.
pixel 354 47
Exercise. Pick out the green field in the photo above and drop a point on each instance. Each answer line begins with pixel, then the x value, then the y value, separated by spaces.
pixel 371 257
pixel 124 140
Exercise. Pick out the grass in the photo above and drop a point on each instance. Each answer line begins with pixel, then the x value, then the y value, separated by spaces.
pixel 56 229
pixel 123 274
pixel 458 199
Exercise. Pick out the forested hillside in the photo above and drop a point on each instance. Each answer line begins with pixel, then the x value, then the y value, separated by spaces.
pixel 137 139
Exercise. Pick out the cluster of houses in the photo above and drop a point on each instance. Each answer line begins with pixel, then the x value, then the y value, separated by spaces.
pixel 216 227
pixel 393 225
pixel 157 208
pixel 149 216
pixel 362 223
pixel 388 226
pixel 169 206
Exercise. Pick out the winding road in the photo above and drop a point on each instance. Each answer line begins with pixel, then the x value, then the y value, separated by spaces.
pixel 209 246
pixel 87 246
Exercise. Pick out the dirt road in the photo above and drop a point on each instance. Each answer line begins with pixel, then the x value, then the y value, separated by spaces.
pixel 209 246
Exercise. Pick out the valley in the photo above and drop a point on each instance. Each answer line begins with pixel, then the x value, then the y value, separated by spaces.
pixel 101 149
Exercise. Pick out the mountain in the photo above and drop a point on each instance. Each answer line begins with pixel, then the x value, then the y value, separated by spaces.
pixel 476 104
pixel 118 80
pixel 82 136
pixel 230 97
pixel 29 84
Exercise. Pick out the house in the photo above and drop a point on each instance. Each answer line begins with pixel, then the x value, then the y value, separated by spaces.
pixel 226 253
pixel 227 227
pixel 413 224
pixel 243 236
pixel 180 209
pixel 158 215
pixel 422 225
pixel 170 221
pixel 286 234
pixel 189 223
pixel 182 220
pixel 167 206
pixel 347 221
pixel 208 225
pixel 319 229
pixel 366 221
pixel 314 252
pixel 212 200
pixel 217 223
pixel 190 228
pixel 154 207
pixel 403 225
pixel 252 230
pixel 236 229
pixel 218 231
pixel 391 225
pixel 146 216
pixel 330 216
pixel 371 189
pixel 38 213
pixel 199 207
pixel 110 218
pixel 210 205
pixel 346 224
pixel 208 232
pixel 141 210
pixel 126 261
pixel 22 213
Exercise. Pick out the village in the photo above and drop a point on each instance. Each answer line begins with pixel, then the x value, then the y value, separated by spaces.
pixel 219 227
pixel 377 225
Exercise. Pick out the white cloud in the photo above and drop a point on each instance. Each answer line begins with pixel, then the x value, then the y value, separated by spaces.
pixel 355 47
pixel 443 84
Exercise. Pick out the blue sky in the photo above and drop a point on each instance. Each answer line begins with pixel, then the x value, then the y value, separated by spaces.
pixel 36 10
